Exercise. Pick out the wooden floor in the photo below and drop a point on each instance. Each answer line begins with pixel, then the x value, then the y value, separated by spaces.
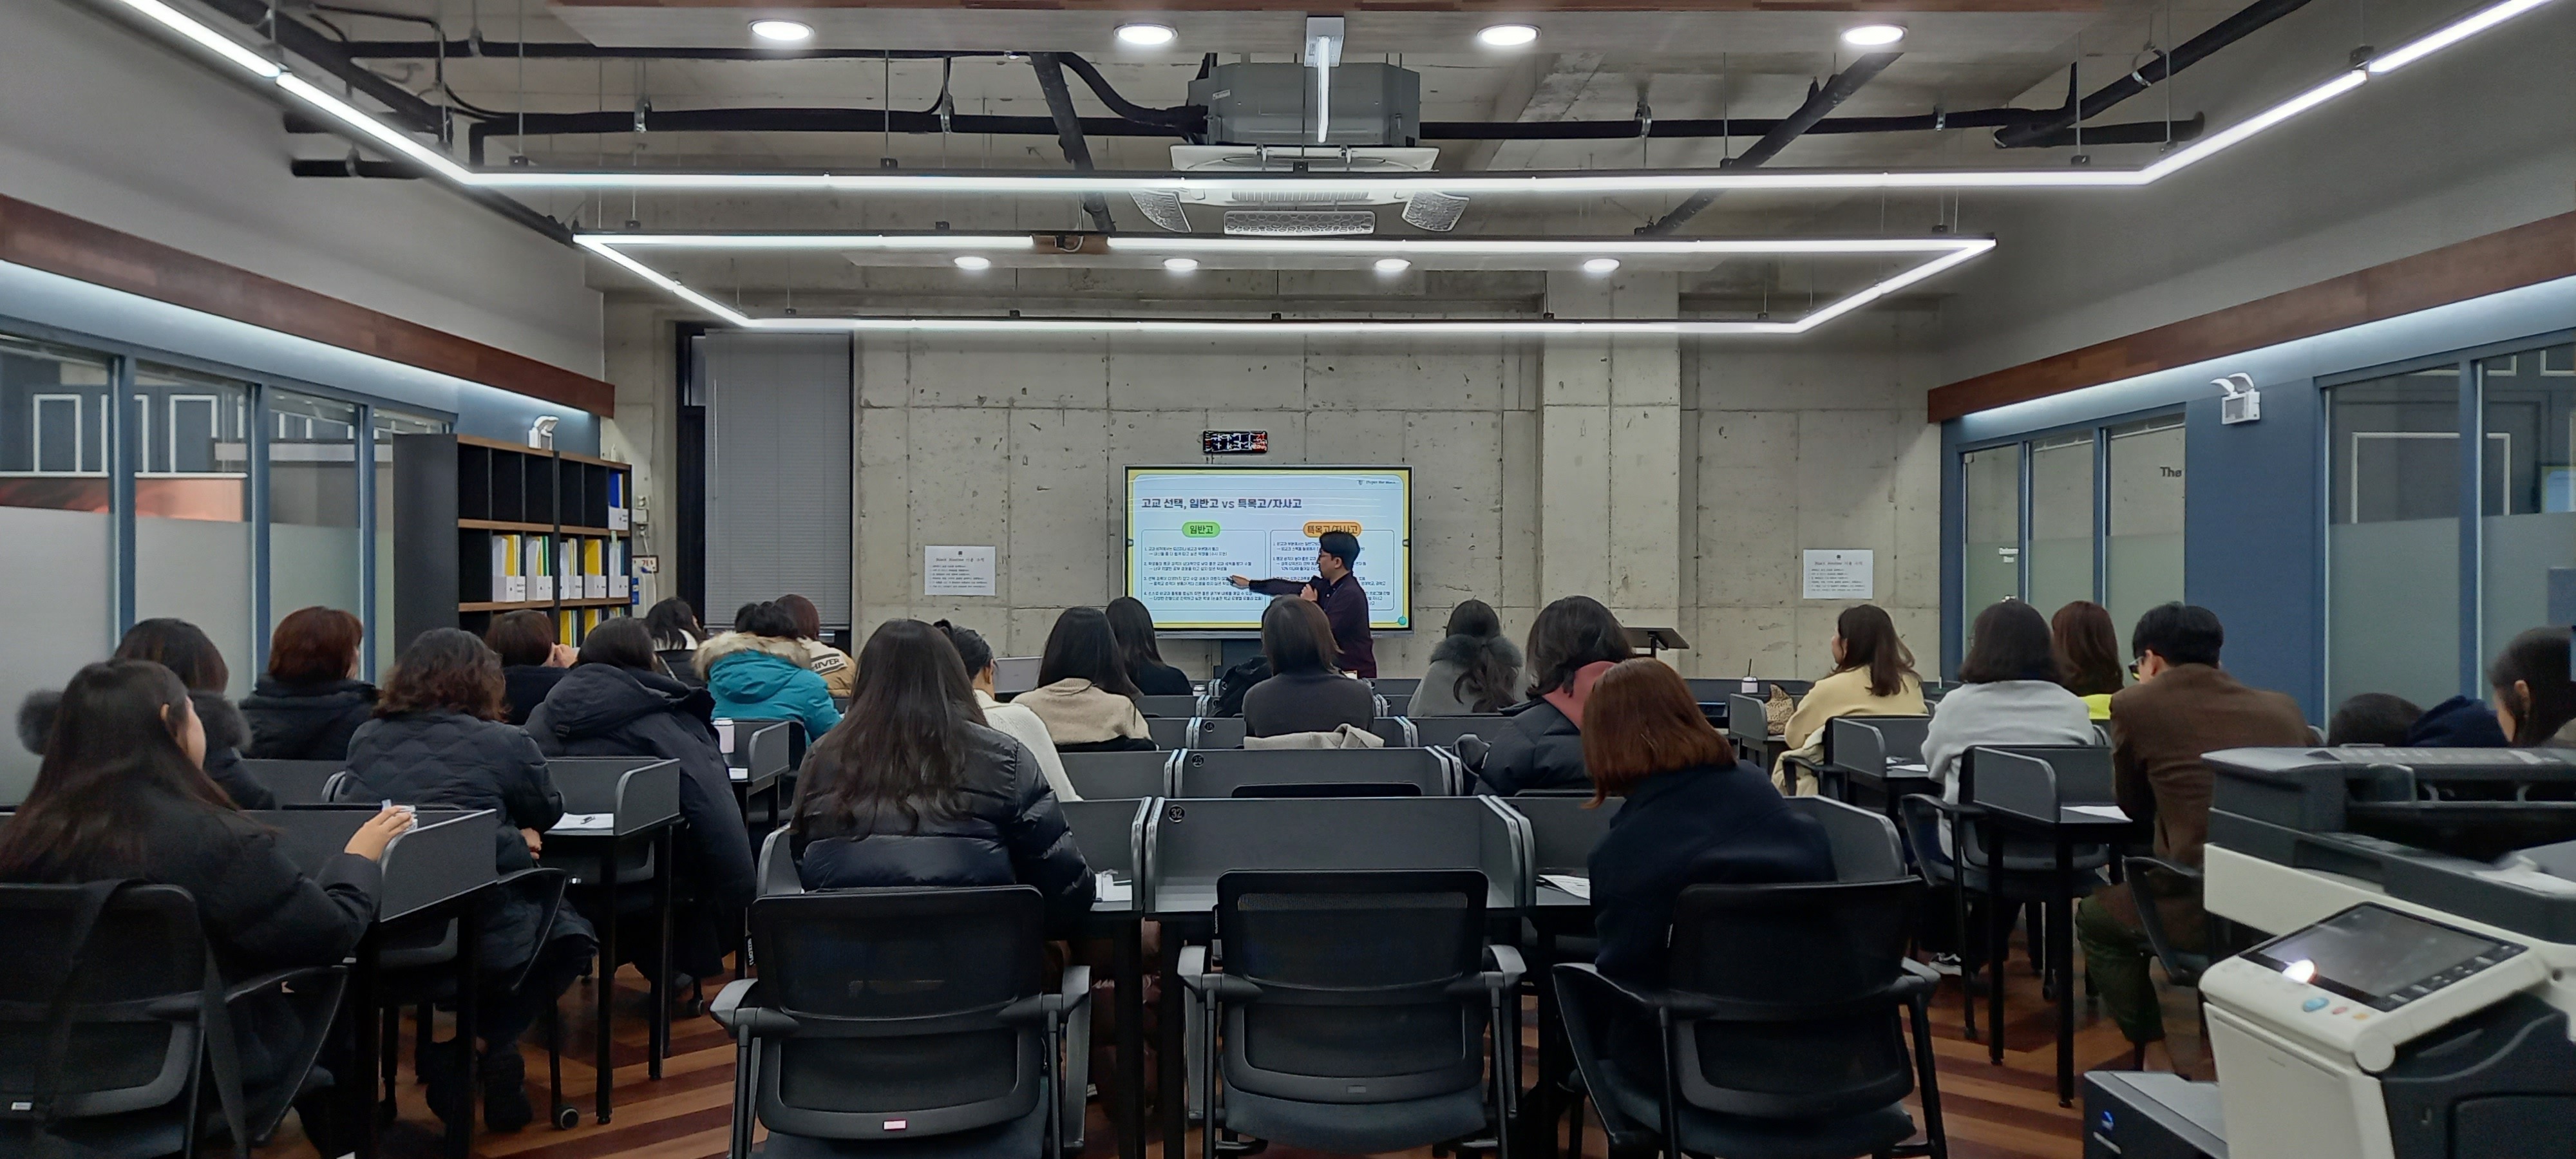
pixel 2006 1112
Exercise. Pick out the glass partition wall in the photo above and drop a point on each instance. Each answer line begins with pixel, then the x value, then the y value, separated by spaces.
pixel 2096 514
pixel 161 505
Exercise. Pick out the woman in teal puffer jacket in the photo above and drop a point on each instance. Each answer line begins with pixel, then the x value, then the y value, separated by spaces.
pixel 757 672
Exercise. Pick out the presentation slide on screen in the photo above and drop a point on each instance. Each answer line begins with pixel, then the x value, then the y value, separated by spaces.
pixel 1188 528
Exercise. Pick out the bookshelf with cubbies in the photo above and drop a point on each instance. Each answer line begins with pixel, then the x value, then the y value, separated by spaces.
pixel 484 527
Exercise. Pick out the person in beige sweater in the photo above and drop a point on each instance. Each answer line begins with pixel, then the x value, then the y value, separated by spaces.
pixel 1873 676
pixel 1084 694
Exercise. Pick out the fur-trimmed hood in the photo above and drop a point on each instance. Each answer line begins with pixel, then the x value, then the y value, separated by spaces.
pixel 1464 650
pixel 223 723
pixel 731 643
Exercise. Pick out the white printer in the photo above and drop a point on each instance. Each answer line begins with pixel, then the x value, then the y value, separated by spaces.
pixel 2413 1000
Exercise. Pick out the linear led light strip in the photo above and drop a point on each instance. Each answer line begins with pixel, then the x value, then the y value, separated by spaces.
pixel 1456 184
pixel 1356 247
pixel 1952 252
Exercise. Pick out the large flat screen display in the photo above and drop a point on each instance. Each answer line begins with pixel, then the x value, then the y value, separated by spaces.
pixel 1189 528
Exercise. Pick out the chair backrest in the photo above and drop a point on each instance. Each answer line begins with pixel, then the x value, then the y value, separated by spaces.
pixel 1355 971
pixel 292 782
pixel 145 947
pixel 1117 775
pixel 1169 732
pixel 1803 1033
pixel 898 997
pixel 1217 732
pixel 1865 843
pixel 1444 731
pixel 1180 706
pixel 778 875
pixel 1219 772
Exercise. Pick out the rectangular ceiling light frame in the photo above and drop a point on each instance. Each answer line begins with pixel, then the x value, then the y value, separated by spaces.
pixel 1946 252
pixel 1572 182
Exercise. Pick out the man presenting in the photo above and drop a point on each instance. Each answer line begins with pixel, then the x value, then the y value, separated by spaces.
pixel 1338 592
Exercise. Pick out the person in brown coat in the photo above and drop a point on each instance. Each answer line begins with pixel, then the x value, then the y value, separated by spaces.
pixel 2182 706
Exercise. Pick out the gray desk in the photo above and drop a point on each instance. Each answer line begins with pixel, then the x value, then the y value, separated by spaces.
pixel 640 797
pixel 293 782
pixel 1110 833
pixel 758 763
pixel 2032 793
pixel 1859 753
pixel 1204 773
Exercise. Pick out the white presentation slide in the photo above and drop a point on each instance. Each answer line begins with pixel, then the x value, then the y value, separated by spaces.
pixel 1188 528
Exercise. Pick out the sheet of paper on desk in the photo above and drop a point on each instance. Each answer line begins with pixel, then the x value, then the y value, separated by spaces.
pixel 2105 812
pixel 1112 889
pixel 739 774
pixel 1578 886
pixel 1914 767
pixel 585 823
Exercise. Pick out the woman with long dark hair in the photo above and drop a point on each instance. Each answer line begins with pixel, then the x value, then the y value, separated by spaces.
pixel 1873 676
pixel 1573 642
pixel 440 738
pixel 1473 670
pixel 186 651
pixel 2534 699
pixel 1305 692
pixel 532 663
pixel 2008 694
pixel 1084 693
pixel 914 790
pixel 2088 654
pixel 121 795
pixel 1133 624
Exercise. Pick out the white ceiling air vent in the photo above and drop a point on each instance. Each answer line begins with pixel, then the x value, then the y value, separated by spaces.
pixel 1162 207
pixel 1300 223
pixel 1334 160
pixel 1437 212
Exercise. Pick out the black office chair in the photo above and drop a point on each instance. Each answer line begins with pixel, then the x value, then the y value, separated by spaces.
pixel 2151 879
pixel 1355 1008
pixel 1797 1052
pixel 121 970
pixel 914 1018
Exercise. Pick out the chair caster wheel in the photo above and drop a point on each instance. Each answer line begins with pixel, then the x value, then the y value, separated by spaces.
pixel 689 1007
pixel 566 1118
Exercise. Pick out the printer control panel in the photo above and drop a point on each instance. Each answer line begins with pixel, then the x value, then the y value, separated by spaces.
pixel 2370 978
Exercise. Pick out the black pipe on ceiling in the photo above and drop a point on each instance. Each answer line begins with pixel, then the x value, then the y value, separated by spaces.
pixel 1819 102
pixel 576 50
pixel 2160 68
pixel 1068 132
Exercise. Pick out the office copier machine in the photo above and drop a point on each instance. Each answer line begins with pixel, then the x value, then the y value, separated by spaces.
pixel 2413 998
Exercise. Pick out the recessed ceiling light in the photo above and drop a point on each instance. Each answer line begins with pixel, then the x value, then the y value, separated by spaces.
pixel 782 31
pixel 1147 35
pixel 1873 35
pixel 1393 266
pixel 1181 265
pixel 1506 35
pixel 973 263
pixel 1599 266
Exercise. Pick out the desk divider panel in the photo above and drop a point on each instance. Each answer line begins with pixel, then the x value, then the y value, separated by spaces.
pixel 1444 731
pixel 1109 832
pixel 293 782
pixel 2036 780
pixel 1746 721
pixel 448 852
pixel 759 747
pixel 640 791
pixel 1204 773
pixel 1183 707
pixel 1562 830
pixel 1189 844
pixel 1120 776
pixel 1170 732
pixel 1866 847
pixel 1871 743
pixel 1217 732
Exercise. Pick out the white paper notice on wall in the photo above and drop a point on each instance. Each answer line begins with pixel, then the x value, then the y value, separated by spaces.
pixel 957 571
pixel 1840 574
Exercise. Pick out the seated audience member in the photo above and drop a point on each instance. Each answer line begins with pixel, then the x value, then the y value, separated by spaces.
pixel 184 649
pixel 531 660
pixel 1873 676
pixel 1473 670
pixel 1083 693
pixel 757 672
pixel 1304 693
pixel 2534 698
pixel 2182 706
pixel 121 795
pixel 2372 718
pixel 832 664
pixel 2088 654
pixel 311 700
pixel 1695 815
pixel 2462 722
pixel 1139 652
pixel 617 702
pixel 439 740
pixel 1571 643
pixel 2008 693
pixel 1015 719
pixel 917 791
pixel 676 636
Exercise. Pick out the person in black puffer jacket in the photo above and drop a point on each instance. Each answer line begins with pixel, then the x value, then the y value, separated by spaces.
pixel 616 702
pixel 914 790
pixel 1540 746
pixel 311 700
pixel 438 740
pixel 180 647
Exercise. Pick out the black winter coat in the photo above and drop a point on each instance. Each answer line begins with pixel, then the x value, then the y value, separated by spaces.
pixel 1535 747
pixel 453 761
pixel 225 736
pixel 1010 831
pixel 306 722
pixel 525 686
pixel 602 710
pixel 1708 825
pixel 1161 680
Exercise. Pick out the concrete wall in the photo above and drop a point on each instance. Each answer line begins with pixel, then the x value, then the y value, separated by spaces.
pixel 116 126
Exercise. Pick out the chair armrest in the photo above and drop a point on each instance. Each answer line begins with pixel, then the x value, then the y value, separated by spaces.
pixel 277 979
pixel 1075 993
pixel 1192 967
pixel 1509 969
pixel 2136 862
pixel 1918 979
pixel 737 1008
pixel 1194 974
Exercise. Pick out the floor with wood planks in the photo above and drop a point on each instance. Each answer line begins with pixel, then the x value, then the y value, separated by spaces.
pixel 2006 1112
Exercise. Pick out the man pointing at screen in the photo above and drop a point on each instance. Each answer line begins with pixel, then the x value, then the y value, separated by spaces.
pixel 1337 591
